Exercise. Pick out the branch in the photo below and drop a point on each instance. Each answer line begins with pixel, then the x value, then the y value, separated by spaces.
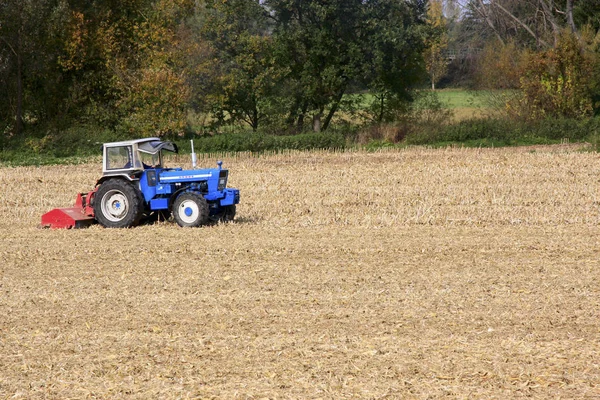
pixel 481 10
pixel 548 14
pixel 9 46
pixel 517 20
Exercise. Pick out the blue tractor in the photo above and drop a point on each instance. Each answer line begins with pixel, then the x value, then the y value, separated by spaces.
pixel 135 185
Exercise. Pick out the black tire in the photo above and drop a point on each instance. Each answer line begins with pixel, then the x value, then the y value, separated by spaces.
pixel 190 210
pixel 118 204
pixel 227 214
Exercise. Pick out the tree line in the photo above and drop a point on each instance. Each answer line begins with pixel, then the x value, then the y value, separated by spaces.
pixel 167 67
pixel 141 66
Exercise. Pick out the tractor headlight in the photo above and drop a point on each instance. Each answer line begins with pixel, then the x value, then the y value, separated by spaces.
pixel 222 179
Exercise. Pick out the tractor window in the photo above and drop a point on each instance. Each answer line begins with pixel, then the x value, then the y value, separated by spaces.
pixel 118 157
pixel 151 160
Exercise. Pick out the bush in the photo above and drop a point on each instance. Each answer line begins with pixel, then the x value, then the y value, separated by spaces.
pixel 508 132
pixel 53 146
pixel 556 83
pixel 257 142
pixel 426 112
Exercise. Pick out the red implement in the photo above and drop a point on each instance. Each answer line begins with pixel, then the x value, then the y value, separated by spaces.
pixel 81 215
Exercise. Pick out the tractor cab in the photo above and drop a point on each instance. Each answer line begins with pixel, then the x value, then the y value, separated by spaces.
pixel 130 157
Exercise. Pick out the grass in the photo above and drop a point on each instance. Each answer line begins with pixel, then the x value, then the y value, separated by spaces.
pixel 415 273
pixel 460 98
pixel 468 104
pixel 465 104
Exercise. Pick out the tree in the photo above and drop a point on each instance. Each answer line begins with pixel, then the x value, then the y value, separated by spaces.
pixel 536 23
pixel 436 62
pixel 327 46
pixel 154 93
pixel 127 65
pixel 587 13
pixel 393 57
pixel 29 76
pixel 240 76
pixel 318 42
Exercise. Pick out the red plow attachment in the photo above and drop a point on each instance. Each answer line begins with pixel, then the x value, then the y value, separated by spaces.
pixel 81 215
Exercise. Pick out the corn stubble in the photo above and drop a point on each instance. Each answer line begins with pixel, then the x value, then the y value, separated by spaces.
pixel 417 273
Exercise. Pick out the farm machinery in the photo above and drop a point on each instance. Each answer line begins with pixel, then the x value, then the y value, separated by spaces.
pixel 135 186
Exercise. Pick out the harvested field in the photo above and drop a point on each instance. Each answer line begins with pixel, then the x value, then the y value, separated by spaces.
pixel 456 273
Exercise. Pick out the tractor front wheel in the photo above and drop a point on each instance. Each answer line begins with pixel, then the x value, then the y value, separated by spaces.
pixel 117 204
pixel 190 210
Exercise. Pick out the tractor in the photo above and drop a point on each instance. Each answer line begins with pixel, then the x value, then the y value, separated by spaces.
pixel 136 186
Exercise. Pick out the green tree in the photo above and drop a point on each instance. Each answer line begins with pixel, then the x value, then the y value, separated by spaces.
pixel 240 76
pixel 328 46
pixel 29 77
pixel 393 62
pixel 320 43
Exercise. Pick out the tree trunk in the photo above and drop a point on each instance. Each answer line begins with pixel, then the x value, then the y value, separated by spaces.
pixel 381 108
pixel 254 120
pixel 570 20
pixel 19 110
pixel 317 122
pixel 547 9
pixel 334 108
pixel 293 115
pixel 301 117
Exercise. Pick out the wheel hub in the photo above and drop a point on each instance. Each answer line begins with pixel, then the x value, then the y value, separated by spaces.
pixel 114 205
pixel 188 211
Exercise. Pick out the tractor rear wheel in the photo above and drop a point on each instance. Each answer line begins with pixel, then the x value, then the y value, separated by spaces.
pixel 118 204
pixel 190 210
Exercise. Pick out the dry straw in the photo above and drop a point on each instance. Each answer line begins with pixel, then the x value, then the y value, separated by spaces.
pixel 416 273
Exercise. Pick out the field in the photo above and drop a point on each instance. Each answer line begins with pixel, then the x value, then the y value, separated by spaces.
pixel 466 104
pixel 413 273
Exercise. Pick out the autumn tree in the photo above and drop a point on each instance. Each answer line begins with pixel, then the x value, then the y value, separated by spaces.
pixel 154 94
pixel 435 57
pixel 556 82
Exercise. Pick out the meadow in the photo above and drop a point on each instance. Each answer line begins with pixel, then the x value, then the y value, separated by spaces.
pixel 405 273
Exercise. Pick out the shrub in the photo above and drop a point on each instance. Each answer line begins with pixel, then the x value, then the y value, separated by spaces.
pixel 556 83
pixel 424 114
pixel 257 142
pixel 509 132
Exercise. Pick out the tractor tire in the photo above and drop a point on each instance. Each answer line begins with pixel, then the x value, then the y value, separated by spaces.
pixel 118 204
pixel 190 210
pixel 227 214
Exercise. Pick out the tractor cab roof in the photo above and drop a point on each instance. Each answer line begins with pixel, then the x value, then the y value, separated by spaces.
pixel 129 157
pixel 154 146
pixel 147 145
